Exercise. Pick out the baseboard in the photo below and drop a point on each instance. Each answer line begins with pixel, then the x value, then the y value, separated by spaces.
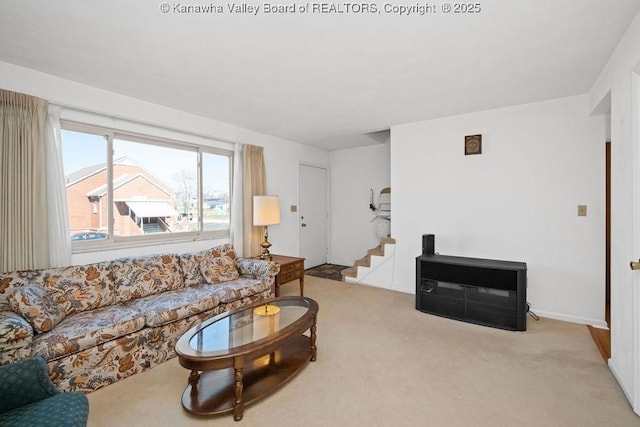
pixel 612 368
pixel 602 324
pixel 341 262
pixel 411 290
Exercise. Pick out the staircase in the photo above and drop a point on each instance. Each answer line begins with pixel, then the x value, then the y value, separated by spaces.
pixel 376 268
pixel 152 228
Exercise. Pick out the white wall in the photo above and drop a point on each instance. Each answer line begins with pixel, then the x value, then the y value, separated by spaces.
pixel 516 201
pixel 354 172
pixel 615 90
pixel 281 156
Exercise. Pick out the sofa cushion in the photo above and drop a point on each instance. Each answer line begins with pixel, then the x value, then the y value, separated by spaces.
pixel 139 277
pixel 75 288
pixel 9 282
pixel 240 288
pixel 87 329
pixel 191 267
pixel 170 306
pixel 61 409
pixel 219 269
pixel 191 262
pixel 34 304
pixel 15 331
pixel 81 288
pixel 222 250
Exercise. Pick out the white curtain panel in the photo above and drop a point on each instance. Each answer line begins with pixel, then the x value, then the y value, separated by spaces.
pixel 23 205
pixel 254 183
pixel 59 236
pixel 236 201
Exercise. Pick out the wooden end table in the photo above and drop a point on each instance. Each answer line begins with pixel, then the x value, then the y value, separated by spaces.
pixel 291 268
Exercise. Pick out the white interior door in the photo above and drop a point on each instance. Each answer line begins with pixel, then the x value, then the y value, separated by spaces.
pixel 312 214
pixel 625 284
pixel 625 244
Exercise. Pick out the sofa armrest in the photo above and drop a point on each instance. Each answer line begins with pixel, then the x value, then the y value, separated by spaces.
pixel 24 382
pixel 15 331
pixel 257 268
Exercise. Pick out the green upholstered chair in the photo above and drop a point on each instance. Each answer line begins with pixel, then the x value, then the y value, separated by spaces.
pixel 29 397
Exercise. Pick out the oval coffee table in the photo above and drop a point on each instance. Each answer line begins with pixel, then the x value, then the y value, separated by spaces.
pixel 239 357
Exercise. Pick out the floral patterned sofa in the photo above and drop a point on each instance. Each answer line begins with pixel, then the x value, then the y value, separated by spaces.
pixel 95 324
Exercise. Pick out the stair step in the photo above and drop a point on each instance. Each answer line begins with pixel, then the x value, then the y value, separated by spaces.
pixel 366 260
pixel 152 228
pixel 378 251
pixel 349 272
pixel 363 262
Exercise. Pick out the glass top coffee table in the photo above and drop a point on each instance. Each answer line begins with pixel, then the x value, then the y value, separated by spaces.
pixel 239 357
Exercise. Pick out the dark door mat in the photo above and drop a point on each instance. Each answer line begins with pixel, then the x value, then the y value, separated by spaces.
pixel 327 271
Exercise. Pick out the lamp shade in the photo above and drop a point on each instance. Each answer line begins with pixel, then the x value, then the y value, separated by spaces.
pixel 266 210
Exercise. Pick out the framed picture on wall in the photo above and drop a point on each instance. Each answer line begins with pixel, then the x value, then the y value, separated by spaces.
pixel 472 144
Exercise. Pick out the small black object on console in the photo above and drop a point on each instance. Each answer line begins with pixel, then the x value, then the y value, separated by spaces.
pixel 428 244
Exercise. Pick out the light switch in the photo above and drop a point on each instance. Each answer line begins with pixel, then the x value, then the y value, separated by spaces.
pixel 582 210
pixel 294 208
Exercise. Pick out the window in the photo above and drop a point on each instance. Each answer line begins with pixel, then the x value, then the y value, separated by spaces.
pixel 146 189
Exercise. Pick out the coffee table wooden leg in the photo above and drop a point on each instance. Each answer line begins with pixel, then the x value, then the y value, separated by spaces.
pixel 194 376
pixel 238 404
pixel 313 337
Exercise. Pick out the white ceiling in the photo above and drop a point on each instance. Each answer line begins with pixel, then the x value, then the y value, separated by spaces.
pixel 326 80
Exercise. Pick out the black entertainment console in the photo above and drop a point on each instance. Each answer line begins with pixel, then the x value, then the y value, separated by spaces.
pixel 482 291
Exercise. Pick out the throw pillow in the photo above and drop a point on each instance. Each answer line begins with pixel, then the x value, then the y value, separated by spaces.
pixel 38 307
pixel 218 269
pixel 191 267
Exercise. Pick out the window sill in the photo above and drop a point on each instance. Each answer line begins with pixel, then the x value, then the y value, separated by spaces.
pixel 144 241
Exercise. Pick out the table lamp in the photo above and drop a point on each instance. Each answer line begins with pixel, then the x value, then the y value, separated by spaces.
pixel 265 212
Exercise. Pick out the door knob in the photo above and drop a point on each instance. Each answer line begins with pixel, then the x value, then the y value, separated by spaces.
pixel 304 225
pixel 635 265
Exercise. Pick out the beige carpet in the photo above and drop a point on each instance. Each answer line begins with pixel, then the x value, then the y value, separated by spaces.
pixel 382 363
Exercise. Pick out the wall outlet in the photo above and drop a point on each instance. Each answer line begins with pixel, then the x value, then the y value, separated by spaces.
pixel 582 210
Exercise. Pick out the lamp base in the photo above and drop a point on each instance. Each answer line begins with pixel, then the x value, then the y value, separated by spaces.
pixel 264 253
pixel 267 310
